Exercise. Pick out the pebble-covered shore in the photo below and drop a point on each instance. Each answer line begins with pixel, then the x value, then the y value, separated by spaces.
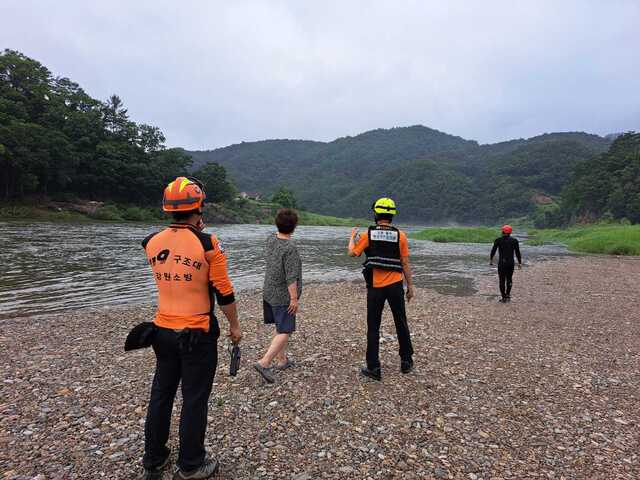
pixel 547 386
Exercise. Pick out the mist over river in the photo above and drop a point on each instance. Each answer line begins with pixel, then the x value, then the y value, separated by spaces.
pixel 48 268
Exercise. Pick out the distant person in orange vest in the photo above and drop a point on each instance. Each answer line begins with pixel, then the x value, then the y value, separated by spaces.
pixel 507 246
pixel 387 264
pixel 190 271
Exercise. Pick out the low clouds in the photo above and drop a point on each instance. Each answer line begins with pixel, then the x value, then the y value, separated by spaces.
pixel 211 73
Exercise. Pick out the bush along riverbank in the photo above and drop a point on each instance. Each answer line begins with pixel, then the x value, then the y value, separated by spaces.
pixel 608 239
pixel 458 234
pixel 600 238
pixel 79 211
pixel 251 211
pixel 239 211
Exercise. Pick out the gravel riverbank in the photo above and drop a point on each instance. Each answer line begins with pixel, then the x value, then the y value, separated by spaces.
pixel 545 387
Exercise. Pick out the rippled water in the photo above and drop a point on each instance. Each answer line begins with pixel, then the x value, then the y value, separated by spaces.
pixel 53 267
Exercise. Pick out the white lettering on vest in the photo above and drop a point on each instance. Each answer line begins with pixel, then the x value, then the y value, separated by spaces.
pixel 384 235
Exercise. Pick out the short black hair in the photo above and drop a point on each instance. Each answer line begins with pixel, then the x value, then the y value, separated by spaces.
pixel 286 220
pixel 183 215
pixel 383 216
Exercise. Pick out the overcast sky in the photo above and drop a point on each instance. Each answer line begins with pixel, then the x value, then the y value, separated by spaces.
pixel 212 73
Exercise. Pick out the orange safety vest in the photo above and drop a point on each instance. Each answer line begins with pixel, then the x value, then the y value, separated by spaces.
pixel 181 258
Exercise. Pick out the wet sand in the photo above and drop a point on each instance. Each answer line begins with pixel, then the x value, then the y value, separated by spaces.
pixel 547 386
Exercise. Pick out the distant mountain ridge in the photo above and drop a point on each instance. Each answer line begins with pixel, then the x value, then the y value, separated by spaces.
pixel 433 175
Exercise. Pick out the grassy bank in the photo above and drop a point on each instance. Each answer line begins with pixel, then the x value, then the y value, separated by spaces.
pixel 107 213
pixel 236 212
pixel 16 212
pixel 604 239
pixel 309 218
pixel 251 211
pixel 458 234
pixel 601 238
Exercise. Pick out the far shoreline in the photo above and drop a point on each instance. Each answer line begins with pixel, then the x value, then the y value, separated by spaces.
pixel 246 212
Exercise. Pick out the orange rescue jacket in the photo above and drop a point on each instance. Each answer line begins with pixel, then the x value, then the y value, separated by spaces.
pixel 190 270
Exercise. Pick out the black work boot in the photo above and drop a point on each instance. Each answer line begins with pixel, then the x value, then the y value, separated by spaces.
pixel 374 373
pixel 406 366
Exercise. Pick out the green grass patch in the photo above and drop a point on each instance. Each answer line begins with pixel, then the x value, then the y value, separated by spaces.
pixel 24 212
pixel 238 211
pixel 458 234
pixel 309 218
pixel 536 242
pixel 107 213
pixel 603 239
pixel 251 211
pixel 119 213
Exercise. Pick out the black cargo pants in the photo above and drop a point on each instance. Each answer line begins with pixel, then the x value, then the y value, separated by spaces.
pixel 190 356
pixel 376 298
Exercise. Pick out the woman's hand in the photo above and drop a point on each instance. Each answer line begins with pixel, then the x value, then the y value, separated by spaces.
pixel 293 306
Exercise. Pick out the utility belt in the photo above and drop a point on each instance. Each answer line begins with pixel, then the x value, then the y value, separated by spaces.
pixel 143 335
pixel 384 263
pixel 189 337
pixel 367 272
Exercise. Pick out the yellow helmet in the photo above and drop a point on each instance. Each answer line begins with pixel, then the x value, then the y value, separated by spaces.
pixel 385 205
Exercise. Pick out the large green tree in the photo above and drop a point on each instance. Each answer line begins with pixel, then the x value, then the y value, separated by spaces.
pixel 216 185
pixel 285 198
pixel 57 140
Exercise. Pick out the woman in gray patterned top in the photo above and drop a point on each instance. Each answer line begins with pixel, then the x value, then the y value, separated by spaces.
pixel 281 292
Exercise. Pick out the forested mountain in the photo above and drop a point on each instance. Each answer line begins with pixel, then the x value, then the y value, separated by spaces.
pixel 434 176
pixel 262 166
pixel 606 186
pixel 57 141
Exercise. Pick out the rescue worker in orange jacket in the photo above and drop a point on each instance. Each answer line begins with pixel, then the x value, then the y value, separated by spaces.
pixel 190 271
pixel 386 267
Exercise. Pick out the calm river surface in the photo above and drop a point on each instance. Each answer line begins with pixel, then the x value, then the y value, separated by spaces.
pixel 53 267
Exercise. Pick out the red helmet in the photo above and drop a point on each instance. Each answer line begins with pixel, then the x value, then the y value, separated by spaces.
pixel 507 229
pixel 182 195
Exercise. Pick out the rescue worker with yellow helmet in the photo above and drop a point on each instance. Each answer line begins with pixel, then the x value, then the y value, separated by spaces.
pixel 386 267
pixel 190 271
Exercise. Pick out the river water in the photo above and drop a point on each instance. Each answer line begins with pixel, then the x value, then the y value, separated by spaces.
pixel 48 268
